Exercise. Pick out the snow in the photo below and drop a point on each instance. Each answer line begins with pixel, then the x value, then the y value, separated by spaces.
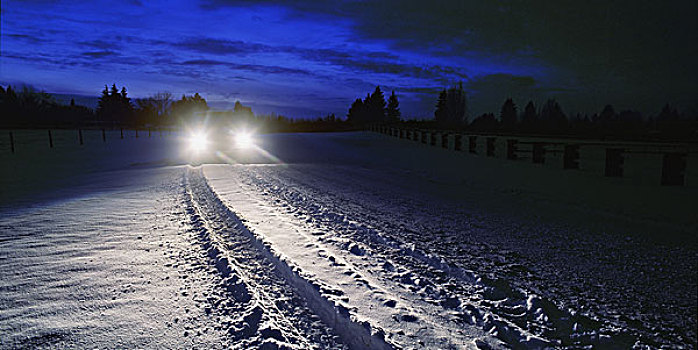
pixel 351 240
pixel 105 270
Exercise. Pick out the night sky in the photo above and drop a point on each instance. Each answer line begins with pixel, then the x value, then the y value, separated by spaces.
pixel 310 58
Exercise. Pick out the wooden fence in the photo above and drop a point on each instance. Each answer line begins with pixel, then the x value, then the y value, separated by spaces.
pixel 650 163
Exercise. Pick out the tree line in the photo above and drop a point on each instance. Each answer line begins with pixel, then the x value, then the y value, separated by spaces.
pixel 451 113
pixel 374 109
pixel 550 119
pixel 29 108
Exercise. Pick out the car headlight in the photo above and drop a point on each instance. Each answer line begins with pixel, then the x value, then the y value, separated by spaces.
pixel 244 139
pixel 198 141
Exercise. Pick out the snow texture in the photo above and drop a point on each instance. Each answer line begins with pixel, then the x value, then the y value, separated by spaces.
pixel 328 241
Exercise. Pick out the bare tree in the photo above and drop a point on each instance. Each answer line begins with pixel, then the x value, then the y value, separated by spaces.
pixel 163 102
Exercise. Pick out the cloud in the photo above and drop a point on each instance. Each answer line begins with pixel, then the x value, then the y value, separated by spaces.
pixel 620 47
pixel 101 44
pixel 33 39
pixel 254 68
pixel 353 61
pixel 221 46
pixel 99 54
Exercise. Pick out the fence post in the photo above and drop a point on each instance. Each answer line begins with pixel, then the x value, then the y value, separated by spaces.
pixel 136 132
pixel 614 162
pixel 673 169
pixel 571 157
pixel 122 133
pixel 148 132
pixel 511 149
pixel 80 136
pixel 50 139
pixel 491 145
pixel 104 136
pixel 12 142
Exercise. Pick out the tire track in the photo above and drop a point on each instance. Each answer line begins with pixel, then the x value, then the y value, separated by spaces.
pixel 281 308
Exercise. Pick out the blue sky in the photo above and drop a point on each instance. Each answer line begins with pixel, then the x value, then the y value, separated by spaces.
pixel 310 58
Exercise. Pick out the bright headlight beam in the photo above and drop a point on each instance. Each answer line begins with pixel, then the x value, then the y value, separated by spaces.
pixel 244 139
pixel 198 141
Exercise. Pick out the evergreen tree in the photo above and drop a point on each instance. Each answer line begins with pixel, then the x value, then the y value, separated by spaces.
pixel 668 114
pixel 451 108
pixel 456 105
pixel 393 111
pixel 530 113
pixel 485 122
pixel 440 114
pixel 193 107
pixel 608 114
pixel 552 117
pixel 508 114
pixel 529 120
pixel 103 102
pixel 356 114
pixel 376 106
pixel 114 106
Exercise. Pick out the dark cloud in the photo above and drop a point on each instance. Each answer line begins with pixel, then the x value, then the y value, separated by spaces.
pixel 101 44
pixel 99 54
pixel 616 46
pixel 40 58
pixel 255 68
pixel 352 61
pixel 633 54
pixel 34 39
pixel 221 46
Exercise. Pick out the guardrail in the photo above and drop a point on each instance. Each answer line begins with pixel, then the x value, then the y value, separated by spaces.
pixel 650 163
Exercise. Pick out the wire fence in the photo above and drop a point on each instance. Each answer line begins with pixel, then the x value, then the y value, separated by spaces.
pixel 32 140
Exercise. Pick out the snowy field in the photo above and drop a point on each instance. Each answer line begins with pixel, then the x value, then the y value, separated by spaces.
pixel 332 241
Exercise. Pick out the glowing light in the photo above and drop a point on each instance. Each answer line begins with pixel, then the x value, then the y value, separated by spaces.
pixel 244 139
pixel 198 141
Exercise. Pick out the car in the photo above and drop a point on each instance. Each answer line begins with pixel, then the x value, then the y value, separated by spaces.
pixel 216 143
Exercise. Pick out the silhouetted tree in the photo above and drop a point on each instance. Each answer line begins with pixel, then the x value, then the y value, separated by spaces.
pixel 114 106
pixel 146 111
pixel 242 110
pixel 441 114
pixel 375 106
pixel 552 117
pixel 529 121
pixel 357 113
pixel 393 110
pixel 507 115
pixel 154 110
pixel 668 114
pixel 189 107
pixel 163 102
pixel 669 123
pixel 485 122
pixel 607 115
pixel 31 108
pixel 451 108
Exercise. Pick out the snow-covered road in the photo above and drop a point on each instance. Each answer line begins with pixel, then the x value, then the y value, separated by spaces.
pixel 350 241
